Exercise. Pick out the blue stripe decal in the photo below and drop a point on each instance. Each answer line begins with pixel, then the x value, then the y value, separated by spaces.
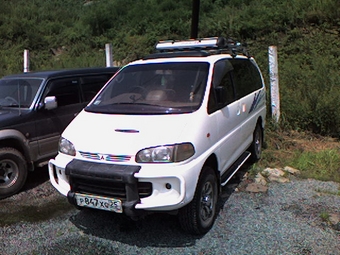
pixel 257 98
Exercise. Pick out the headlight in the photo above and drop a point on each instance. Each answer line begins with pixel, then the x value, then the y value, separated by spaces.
pixel 66 147
pixel 166 153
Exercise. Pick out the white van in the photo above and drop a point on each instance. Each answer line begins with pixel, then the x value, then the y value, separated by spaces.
pixel 165 133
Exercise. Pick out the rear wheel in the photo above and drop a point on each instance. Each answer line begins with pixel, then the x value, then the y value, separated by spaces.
pixel 199 215
pixel 257 143
pixel 13 171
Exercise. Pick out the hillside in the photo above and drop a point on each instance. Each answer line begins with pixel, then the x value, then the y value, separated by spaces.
pixel 73 33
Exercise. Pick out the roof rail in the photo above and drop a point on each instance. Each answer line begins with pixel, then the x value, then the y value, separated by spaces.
pixel 216 44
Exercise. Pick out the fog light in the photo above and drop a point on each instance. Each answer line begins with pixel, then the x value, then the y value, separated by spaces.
pixel 168 186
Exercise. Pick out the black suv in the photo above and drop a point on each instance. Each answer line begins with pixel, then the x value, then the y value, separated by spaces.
pixel 35 108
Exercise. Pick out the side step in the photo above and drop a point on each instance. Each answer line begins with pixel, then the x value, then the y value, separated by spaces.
pixel 234 168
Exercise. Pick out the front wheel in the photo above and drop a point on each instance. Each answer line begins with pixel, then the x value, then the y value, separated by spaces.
pixel 13 172
pixel 199 215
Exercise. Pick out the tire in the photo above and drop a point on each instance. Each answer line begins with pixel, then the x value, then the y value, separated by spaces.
pixel 257 144
pixel 13 172
pixel 199 215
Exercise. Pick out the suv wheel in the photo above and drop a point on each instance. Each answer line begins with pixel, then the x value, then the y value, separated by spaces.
pixel 13 171
pixel 199 215
pixel 256 146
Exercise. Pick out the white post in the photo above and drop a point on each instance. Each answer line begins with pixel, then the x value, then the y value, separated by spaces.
pixel 108 53
pixel 26 61
pixel 274 83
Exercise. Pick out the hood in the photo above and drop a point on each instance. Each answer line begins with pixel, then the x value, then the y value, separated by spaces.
pixel 9 116
pixel 125 134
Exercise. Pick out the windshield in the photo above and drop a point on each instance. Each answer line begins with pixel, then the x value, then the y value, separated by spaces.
pixel 159 88
pixel 18 92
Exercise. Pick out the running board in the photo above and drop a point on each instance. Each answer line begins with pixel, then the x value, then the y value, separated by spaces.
pixel 234 168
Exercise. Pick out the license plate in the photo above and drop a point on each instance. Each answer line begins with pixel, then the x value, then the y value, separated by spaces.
pixel 98 202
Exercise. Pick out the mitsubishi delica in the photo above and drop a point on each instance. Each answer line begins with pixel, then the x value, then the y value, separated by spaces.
pixel 166 133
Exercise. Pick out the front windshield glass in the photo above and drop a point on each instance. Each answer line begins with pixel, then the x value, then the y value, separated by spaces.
pixel 158 88
pixel 18 92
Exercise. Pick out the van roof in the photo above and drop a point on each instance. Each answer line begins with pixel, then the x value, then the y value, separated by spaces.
pixel 64 72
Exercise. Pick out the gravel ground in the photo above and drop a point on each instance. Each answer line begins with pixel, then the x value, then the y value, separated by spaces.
pixel 284 220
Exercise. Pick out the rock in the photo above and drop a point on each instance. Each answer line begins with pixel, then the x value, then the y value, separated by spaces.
pixel 273 172
pixel 280 179
pixel 334 218
pixel 256 187
pixel 259 179
pixel 291 170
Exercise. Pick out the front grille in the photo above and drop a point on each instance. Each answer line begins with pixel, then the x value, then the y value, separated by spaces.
pixel 109 188
pixel 105 157
pixel 112 180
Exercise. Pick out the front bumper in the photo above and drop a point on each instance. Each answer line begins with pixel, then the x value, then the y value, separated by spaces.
pixel 156 187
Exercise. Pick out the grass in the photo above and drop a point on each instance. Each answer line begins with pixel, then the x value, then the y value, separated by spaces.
pixel 315 156
pixel 324 216
pixel 322 165
pixel 336 193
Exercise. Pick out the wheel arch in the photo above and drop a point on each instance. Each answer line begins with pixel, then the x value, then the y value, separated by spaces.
pixel 16 140
pixel 212 162
pixel 198 216
pixel 261 122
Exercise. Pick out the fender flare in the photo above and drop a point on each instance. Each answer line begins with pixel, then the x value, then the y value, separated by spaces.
pixel 21 144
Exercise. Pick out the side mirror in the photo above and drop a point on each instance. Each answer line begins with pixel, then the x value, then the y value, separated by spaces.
pixel 50 102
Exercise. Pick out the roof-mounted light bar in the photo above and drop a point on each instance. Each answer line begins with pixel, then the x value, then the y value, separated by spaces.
pixel 213 42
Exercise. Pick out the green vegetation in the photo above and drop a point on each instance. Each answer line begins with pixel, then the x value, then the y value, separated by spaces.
pixel 322 165
pixel 316 156
pixel 324 216
pixel 73 33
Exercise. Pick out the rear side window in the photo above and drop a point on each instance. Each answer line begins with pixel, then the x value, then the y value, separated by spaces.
pixel 246 76
pixel 232 80
pixel 90 85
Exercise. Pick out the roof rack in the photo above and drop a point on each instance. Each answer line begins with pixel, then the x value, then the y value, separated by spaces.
pixel 215 45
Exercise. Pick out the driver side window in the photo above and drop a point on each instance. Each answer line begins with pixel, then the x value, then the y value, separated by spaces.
pixel 65 90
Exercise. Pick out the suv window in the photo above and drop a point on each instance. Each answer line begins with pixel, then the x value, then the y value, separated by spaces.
pixel 90 85
pixel 65 90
